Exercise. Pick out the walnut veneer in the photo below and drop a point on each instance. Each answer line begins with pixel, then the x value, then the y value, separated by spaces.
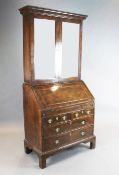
pixel 60 118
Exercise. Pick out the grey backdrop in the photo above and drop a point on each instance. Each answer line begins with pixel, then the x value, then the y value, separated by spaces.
pixel 100 52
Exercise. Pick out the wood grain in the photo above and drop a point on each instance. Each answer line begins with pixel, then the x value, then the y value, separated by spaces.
pixel 58 113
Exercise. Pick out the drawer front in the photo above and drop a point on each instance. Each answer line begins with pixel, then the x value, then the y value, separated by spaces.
pixel 82 122
pixel 58 119
pixel 65 139
pixel 57 129
pixel 67 117
pixel 80 113
pixel 68 126
pixel 56 142
pixel 82 133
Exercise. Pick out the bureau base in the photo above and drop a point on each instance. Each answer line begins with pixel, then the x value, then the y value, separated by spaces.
pixel 57 120
pixel 44 155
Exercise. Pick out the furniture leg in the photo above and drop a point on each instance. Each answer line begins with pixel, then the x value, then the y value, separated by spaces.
pixel 26 148
pixel 93 143
pixel 42 161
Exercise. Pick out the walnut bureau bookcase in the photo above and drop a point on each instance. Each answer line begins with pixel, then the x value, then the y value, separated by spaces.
pixel 58 106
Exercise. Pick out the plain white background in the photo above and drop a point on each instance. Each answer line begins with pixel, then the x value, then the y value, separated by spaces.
pixel 100 72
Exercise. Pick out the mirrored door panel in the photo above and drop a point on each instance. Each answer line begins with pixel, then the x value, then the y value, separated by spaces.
pixel 44 48
pixel 70 49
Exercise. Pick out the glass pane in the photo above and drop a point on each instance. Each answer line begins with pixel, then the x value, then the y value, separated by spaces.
pixel 44 48
pixel 70 49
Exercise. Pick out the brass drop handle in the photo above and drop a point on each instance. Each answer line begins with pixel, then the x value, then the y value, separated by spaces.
pixel 56 142
pixel 82 112
pixel 88 112
pixel 57 129
pixel 64 117
pixel 83 122
pixel 82 133
pixel 57 118
pixel 50 121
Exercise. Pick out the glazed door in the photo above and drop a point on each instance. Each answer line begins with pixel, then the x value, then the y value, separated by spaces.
pixel 56 49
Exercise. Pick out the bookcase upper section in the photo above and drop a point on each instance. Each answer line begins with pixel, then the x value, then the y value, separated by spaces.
pixel 52 40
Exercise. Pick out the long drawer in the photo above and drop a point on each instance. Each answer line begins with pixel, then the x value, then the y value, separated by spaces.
pixel 67 138
pixel 65 117
pixel 67 126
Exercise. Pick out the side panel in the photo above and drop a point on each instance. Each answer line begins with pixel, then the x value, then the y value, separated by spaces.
pixel 28 47
pixel 32 118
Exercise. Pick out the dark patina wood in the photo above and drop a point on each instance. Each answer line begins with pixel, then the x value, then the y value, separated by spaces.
pixel 50 14
pixel 58 113
pixel 31 12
